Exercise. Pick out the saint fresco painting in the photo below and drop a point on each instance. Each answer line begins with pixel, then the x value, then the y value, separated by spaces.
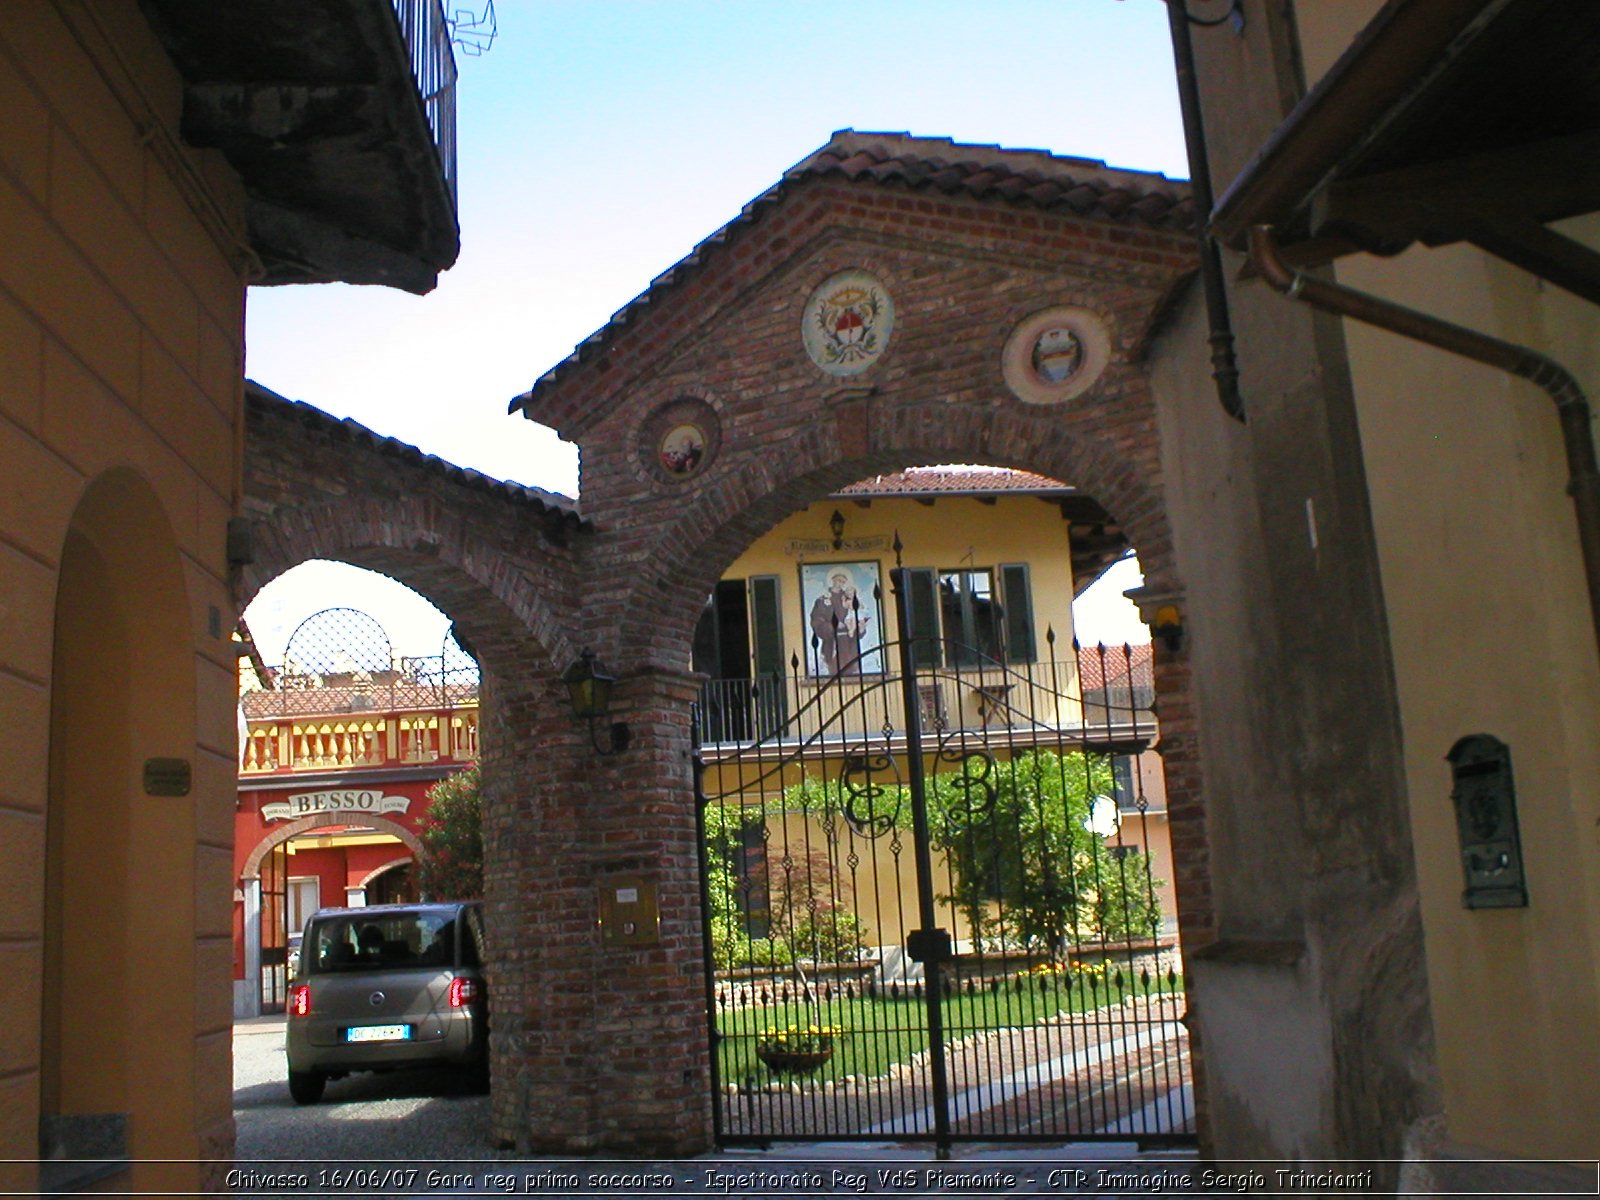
pixel 844 620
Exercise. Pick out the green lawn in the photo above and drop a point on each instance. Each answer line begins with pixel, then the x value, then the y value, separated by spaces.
pixel 883 1029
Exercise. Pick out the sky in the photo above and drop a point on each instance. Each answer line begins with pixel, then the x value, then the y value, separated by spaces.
pixel 600 140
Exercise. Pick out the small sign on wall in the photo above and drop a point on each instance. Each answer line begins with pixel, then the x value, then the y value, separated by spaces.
pixel 629 913
pixel 167 777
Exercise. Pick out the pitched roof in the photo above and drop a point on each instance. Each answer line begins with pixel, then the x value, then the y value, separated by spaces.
pixel 1083 187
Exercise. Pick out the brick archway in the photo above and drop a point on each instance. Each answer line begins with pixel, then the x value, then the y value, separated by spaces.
pixel 386 867
pixel 497 558
pixel 972 243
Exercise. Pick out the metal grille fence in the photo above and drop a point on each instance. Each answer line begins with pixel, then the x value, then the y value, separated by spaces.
pixel 932 910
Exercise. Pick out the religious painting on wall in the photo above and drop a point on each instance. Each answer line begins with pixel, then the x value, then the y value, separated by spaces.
pixel 844 618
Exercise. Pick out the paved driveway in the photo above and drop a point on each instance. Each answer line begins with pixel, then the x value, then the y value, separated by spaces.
pixel 421 1133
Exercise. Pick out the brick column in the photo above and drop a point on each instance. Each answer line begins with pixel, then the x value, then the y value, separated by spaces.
pixel 596 1048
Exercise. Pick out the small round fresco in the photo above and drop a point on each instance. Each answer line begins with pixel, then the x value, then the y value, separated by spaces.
pixel 848 322
pixel 682 449
pixel 680 439
pixel 1055 355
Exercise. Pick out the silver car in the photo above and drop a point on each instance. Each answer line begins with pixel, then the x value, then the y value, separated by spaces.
pixel 394 985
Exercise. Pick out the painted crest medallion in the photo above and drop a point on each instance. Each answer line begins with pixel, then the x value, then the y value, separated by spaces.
pixel 847 322
pixel 1056 354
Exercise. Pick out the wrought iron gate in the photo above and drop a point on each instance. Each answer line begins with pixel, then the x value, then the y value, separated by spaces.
pixel 274 927
pixel 932 910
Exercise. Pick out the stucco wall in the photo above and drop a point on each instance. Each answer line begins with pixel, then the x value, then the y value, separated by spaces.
pixel 121 304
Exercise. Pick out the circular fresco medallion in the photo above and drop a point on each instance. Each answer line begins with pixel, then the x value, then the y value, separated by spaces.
pixel 682 449
pixel 1055 355
pixel 847 322
pixel 680 438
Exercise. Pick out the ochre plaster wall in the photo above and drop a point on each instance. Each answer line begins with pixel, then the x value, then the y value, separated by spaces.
pixel 1492 634
pixel 121 302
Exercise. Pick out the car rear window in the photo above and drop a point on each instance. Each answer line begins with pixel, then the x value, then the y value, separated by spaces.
pixel 361 941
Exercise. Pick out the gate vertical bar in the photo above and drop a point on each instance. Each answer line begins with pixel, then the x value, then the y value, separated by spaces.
pixel 713 1030
pixel 933 947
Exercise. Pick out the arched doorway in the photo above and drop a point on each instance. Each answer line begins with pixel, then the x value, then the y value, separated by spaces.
pixel 917 744
pixel 125 789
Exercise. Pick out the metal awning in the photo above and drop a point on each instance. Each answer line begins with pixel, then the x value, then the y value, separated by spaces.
pixel 1445 121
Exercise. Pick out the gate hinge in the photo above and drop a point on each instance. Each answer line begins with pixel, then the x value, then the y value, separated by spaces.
pixel 929 945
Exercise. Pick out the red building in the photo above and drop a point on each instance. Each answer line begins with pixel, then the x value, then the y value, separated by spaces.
pixel 338 747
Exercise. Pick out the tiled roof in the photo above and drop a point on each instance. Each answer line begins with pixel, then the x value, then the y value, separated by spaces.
pixel 265 399
pixel 1084 186
pixel 373 702
pixel 1097 664
pixel 916 481
pixel 1037 179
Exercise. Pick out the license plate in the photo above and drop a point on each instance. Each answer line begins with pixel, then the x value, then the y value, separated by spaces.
pixel 377 1033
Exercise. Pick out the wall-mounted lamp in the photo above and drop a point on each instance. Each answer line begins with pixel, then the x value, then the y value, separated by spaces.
pixel 1168 626
pixel 836 523
pixel 589 689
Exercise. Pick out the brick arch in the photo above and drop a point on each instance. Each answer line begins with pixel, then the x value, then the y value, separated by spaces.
pixel 388 866
pixel 252 865
pixel 436 554
pixel 723 520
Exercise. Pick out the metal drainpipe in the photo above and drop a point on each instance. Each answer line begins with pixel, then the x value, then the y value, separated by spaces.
pixel 1224 367
pixel 1572 406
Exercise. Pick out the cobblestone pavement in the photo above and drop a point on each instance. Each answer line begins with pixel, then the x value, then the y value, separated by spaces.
pixel 412 1134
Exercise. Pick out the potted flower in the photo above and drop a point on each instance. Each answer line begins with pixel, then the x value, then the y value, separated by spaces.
pixel 797 1050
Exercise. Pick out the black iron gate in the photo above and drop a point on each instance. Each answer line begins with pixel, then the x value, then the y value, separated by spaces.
pixel 933 909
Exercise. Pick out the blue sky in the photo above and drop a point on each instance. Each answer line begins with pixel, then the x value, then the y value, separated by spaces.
pixel 601 139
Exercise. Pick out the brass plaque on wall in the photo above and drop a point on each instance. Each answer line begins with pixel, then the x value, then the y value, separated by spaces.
pixel 166 777
pixel 629 913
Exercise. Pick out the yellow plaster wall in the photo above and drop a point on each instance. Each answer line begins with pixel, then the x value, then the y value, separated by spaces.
pixel 121 342
pixel 1491 634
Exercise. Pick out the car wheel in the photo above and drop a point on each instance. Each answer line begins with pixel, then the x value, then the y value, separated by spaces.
pixel 306 1086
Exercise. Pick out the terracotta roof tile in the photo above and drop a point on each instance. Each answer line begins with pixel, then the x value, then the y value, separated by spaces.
pixel 1097 664
pixel 920 481
pixel 1083 186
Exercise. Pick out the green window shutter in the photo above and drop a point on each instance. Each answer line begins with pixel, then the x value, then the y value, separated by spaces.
pixel 1018 602
pixel 768 618
pixel 924 605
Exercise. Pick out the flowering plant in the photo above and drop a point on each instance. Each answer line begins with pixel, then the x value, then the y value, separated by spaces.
pixel 797 1039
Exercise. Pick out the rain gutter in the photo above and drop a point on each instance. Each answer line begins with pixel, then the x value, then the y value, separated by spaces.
pixel 1572 406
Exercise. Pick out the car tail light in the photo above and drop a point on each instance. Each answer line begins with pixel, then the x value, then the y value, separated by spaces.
pixel 300 1000
pixel 462 991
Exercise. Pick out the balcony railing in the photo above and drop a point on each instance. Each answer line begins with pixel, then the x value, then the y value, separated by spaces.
pixel 423 711
pixel 1104 692
pixel 426 31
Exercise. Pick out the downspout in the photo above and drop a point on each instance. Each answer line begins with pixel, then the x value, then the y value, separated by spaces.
pixel 1224 368
pixel 1572 406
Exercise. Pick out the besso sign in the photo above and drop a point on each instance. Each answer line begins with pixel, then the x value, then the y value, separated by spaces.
pixel 349 800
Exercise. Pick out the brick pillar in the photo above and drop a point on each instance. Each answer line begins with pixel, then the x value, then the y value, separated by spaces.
pixel 1191 853
pixel 596 1048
